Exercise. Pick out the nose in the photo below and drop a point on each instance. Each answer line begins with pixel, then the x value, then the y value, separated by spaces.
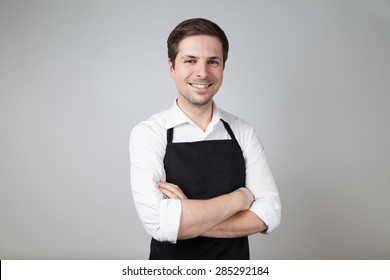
pixel 201 70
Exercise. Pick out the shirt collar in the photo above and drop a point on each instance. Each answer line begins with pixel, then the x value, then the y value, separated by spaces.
pixel 177 117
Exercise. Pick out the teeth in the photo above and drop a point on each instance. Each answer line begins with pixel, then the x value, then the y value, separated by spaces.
pixel 199 85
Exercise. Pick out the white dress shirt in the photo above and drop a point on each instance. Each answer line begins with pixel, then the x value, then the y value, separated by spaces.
pixel 148 140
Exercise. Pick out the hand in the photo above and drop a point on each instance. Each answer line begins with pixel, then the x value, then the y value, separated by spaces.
pixel 247 197
pixel 170 191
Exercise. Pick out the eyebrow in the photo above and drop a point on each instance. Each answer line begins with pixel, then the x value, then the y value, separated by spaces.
pixel 195 57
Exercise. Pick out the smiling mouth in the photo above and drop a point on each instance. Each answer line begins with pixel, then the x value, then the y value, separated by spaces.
pixel 199 86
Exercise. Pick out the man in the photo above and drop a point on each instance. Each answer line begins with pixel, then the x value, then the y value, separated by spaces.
pixel 200 180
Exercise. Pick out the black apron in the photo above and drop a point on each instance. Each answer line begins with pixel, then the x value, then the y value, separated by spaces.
pixel 203 170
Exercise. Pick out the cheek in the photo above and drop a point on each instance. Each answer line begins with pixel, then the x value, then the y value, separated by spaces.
pixel 219 77
pixel 218 73
pixel 182 75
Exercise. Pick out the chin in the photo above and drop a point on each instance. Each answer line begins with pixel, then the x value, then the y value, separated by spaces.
pixel 201 101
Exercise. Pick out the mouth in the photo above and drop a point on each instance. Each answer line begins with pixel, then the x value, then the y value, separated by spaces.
pixel 200 85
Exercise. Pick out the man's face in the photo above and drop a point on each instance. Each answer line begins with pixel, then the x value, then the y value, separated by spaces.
pixel 198 72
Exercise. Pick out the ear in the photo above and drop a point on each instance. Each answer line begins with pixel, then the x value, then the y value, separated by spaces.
pixel 171 69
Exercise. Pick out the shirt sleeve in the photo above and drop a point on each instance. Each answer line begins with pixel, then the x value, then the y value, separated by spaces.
pixel 260 181
pixel 160 217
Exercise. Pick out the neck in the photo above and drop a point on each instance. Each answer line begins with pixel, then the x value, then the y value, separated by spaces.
pixel 200 115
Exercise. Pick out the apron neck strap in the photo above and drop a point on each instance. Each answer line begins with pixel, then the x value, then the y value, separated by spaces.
pixel 170 135
pixel 229 130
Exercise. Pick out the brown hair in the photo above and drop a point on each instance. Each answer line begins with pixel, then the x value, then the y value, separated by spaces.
pixel 195 26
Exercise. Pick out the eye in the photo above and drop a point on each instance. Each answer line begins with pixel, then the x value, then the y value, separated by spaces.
pixel 214 62
pixel 189 61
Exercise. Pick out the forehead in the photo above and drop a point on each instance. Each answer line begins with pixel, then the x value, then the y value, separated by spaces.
pixel 200 45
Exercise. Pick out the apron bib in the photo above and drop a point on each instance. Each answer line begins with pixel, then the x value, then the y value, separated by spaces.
pixel 203 170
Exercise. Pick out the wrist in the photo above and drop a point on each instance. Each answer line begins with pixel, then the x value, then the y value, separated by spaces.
pixel 240 200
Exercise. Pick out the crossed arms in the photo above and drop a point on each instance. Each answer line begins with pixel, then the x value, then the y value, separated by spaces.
pixel 225 216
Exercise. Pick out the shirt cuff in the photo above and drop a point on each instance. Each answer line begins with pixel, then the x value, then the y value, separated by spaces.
pixel 170 214
pixel 268 213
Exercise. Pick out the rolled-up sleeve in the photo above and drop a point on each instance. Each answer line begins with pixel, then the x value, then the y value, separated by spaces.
pixel 160 217
pixel 260 181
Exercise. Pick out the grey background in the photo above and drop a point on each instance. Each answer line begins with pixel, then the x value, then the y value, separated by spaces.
pixel 76 76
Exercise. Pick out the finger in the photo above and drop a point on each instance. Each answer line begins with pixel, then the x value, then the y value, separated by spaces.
pixel 172 188
pixel 168 186
pixel 167 194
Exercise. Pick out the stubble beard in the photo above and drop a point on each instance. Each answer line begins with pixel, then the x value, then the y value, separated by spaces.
pixel 205 99
pixel 199 103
